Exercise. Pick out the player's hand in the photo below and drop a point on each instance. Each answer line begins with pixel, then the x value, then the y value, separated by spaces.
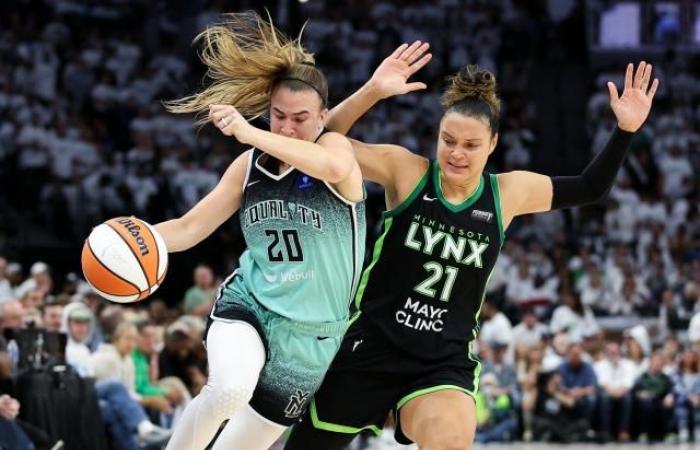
pixel 632 108
pixel 227 119
pixel 391 77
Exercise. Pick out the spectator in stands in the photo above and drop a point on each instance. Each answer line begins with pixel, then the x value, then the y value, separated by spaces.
pixel 40 280
pixel 594 292
pixel 179 358
pixel 616 376
pixel 12 437
pixel 653 401
pixel 529 367
pixel 496 327
pixel 685 380
pixel 53 316
pixel 506 377
pixel 148 381
pixel 12 315
pixel 113 361
pixel 77 323
pixel 496 421
pixel 573 318
pixel 5 288
pixel 33 299
pixel 529 332
pixel 638 347
pixel 579 381
pixel 555 417
pixel 200 298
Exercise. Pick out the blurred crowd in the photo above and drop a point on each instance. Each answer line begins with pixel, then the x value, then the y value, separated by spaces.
pixel 592 315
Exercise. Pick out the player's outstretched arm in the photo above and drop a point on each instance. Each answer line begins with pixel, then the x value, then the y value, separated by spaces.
pixel 207 215
pixel 390 78
pixel 527 192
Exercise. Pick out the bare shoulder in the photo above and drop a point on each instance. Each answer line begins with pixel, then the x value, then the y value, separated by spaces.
pixel 408 169
pixel 524 192
pixel 333 138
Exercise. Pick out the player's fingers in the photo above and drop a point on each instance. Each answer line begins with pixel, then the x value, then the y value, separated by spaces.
pixel 628 76
pixel 420 51
pixel 410 87
pixel 652 90
pixel 415 67
pixel 646 78
pixel 639 74
pixel 613 92
pixel 406 54
pixel 398 50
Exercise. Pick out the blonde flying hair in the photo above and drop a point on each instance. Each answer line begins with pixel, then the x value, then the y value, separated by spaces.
pixel 472 92
pixel 246 58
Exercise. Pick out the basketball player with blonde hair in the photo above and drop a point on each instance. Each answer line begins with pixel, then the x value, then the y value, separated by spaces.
pixel 279 318
pixel 409 348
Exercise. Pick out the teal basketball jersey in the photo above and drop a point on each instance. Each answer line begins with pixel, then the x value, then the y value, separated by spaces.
pixel 305 243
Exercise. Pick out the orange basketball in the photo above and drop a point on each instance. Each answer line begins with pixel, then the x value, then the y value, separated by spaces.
pixel 124 259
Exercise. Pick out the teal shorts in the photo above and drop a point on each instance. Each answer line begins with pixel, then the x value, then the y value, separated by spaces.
pixel 298 354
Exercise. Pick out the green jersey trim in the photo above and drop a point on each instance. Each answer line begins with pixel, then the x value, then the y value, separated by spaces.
pixel 497 199
pixel 412 196
pixel 470 353
pixel 437 177
pixel 430 390
pixel 337 428
pixel 388 220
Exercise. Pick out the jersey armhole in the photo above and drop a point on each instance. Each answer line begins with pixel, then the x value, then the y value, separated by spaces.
pixel 497 202
pixel 412 196
pixel 248 169
pixel 339 196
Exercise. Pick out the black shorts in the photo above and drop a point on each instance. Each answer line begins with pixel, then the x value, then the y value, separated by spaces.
pixel 370 377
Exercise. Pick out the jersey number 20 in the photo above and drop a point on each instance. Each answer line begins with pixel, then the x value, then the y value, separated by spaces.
pixel 292 245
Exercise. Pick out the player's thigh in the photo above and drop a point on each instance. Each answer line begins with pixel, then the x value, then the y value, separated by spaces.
pixel 442 420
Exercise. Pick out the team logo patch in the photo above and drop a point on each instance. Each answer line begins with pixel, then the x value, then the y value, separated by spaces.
pixel 305 182
pixel 297 404
pixel 482 216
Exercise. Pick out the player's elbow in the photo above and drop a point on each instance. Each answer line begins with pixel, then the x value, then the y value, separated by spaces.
pixel 338 169
pixel 179 234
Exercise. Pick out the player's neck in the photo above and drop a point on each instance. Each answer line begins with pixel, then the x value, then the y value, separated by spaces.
pixel 458 192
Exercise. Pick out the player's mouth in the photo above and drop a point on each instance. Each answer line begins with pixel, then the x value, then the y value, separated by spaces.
pixel 458 166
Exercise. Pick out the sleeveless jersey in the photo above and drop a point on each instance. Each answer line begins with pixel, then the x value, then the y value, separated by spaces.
pixel 305 243
pixel 426 282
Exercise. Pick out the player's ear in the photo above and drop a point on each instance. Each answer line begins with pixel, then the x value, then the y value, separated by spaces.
pixel 323 117
pixel 493 143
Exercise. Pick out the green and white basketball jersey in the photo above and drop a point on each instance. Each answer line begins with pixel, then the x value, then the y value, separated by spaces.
pixel 305 243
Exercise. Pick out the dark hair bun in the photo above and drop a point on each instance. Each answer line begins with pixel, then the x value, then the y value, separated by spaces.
pixel 472 83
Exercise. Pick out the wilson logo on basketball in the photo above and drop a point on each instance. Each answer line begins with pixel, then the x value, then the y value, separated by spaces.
pixel 135 231
pixel 124 259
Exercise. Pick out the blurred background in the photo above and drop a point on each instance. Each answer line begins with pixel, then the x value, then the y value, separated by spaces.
pixel 613 288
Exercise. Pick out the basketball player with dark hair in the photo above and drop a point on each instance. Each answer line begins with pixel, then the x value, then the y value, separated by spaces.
pixel 409 348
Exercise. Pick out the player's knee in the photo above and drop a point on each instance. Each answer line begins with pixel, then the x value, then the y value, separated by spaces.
pixel 228 398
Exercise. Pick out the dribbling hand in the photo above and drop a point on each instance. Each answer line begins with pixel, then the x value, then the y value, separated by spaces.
pixel 391 77
pixel 227 119
pixel 632 108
